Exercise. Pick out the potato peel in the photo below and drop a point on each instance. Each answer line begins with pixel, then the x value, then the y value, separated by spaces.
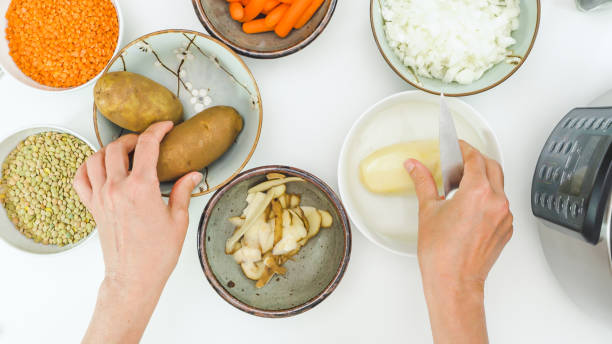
pixel 265 278
pixel 271 176
pixel 326 219
pixel 278 221
pixel 265 186
pixel 281 225
pixel 260 208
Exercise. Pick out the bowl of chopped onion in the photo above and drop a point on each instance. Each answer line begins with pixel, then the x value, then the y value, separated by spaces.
pixel 458 48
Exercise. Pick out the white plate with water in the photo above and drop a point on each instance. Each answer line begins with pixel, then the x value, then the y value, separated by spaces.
pixel 391 221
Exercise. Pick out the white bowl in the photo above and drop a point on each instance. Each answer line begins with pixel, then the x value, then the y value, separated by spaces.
pixel 8 232
pixel 8 65
pixel 392 221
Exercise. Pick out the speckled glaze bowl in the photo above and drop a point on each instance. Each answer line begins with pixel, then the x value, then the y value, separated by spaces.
pixel 215 16
pixel 203 73
pixel 311 277
pixel 525 35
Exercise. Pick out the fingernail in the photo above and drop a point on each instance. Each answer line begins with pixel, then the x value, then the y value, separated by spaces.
pixel 197 177
pixel 409 165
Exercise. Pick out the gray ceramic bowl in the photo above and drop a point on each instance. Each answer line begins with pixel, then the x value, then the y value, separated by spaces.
pixel 214 15
pixel 310 278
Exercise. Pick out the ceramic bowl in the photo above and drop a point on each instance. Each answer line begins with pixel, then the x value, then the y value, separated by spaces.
pixel 391 221
pixel 216 19
pixel 8 232
pixel 202 72
pixel 7 64
pixel 525 37
pixel 311 277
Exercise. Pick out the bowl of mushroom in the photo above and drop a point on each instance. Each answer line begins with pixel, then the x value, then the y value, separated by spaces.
pixel 275 241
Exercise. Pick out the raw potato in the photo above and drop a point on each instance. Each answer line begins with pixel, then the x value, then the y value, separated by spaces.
pixel 383 171
pixel 134 102
pixel 197 142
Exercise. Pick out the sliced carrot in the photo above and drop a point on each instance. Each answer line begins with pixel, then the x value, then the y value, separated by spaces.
pixel 236 11
pixel 244 2
pixel 253 9
pixel 291 17
pixel 276 15
pixel 256 26
pixel 310 11
pixel 287 1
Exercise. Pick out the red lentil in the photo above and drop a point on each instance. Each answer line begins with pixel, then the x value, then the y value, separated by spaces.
pixel 61 43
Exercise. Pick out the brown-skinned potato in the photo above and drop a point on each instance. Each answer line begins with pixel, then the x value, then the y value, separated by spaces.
pixel 134 102
pixel 197 142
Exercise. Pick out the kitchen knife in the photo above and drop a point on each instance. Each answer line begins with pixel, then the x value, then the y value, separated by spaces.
pixel 451 160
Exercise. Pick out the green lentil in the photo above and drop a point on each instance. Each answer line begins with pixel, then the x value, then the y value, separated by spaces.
pixel 36 189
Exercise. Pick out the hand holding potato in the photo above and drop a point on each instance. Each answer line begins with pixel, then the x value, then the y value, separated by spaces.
pixel 459 241
pixel 141 236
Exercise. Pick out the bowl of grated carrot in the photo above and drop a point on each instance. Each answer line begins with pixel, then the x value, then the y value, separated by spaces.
pixel 265 28
pixel 58 45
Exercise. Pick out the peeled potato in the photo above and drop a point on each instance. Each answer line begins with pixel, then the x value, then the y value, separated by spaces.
pixel 383 171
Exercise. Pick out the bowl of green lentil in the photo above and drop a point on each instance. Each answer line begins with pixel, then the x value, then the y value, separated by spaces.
pixel 41 213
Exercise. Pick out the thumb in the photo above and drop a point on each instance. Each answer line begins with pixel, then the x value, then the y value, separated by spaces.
pixel 424 182
pixel 181 194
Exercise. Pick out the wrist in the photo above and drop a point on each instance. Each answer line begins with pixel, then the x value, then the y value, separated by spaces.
pixel 129 291
pixel 453 290
pixel 122 311
pixel 456 310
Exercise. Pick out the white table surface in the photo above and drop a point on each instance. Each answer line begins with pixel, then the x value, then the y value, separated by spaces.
pixel 49 299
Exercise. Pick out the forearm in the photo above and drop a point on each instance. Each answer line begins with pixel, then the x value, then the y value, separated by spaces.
pixel 122 313
pixel 457 314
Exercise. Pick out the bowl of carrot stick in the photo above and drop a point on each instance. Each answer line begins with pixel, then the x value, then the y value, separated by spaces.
pixel 265 28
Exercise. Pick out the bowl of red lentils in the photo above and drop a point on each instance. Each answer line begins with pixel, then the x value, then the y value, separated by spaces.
pixel 58 45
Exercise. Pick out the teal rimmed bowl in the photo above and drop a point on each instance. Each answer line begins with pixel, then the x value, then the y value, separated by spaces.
pixel 525 35
pixel 202 72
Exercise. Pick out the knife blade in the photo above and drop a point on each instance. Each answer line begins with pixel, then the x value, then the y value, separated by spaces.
pixel 451 159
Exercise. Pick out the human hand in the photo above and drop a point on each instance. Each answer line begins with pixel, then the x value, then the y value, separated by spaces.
pixel 459 241
pixel 141 236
